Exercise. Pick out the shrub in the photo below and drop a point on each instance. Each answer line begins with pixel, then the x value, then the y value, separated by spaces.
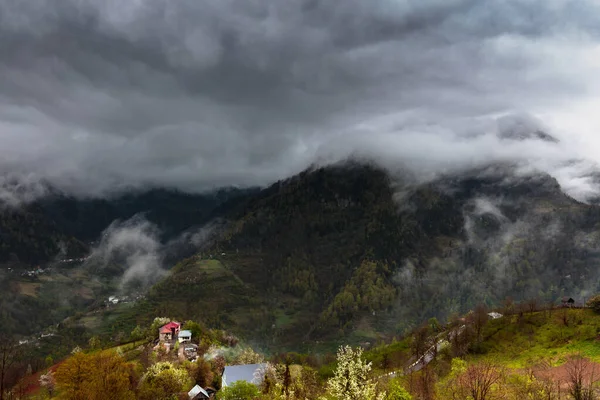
pixel 240 390
pixel 594 303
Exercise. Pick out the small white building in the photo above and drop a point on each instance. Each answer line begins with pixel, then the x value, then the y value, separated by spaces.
pixel 184 336
pixel 495 315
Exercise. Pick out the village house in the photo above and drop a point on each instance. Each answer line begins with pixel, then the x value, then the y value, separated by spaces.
pixel 567 301
pixel 190 351
pixel 169 332
pixel 197 393
pixel 185 336
pixel 253 373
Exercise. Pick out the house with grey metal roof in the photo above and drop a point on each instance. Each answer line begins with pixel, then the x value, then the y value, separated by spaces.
pixel 253 373
pixel 184 336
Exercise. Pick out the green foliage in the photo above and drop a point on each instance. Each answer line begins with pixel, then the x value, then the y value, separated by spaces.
pixel 137 333
pixel 155 326
pixel 594 303
pixel 248 356
pixel 434 324
pixel 240 390
pixel 162 381
pixel 351 377
pixel 197 330
pixel 29 237
pixel 96 376
pixel 341 237
pixel 367 290
pixel 95 343
pixel 396 391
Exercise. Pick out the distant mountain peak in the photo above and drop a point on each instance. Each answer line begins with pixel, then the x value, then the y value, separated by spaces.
pixel 523 127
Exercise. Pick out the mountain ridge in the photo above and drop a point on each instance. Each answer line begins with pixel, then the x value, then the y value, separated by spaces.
pixel 339 251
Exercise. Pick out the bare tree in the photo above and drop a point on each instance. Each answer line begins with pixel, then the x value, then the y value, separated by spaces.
pixel 422 384
pixel 544 385
pixel 9 354
pixel 564 316
pixel 421 341
pixel 478 381
pixel 460 339
pixel 532 305
pixel 508 305
pixel 581 378
pixel 479 319
pixel 550 308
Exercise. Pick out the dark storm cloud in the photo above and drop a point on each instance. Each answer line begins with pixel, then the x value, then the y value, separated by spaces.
pixel 101 96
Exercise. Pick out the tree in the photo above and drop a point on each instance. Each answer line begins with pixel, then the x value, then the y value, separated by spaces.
pixel 479 319
pixel 580 373
pixel 9 354
pixel 157 323
pixel 240 390
pixel 162 381
pixel 196 329
pixel 434 325
pixel 421 342
pixel 137 333
pixel 594 303
pixel 422 383
pixel 94 342
pixel 48 382
pixel 97 376
pixel 396 391
pixel 476 382
pixel 351 377
pixel 537 383
pixel 508 305
pixel 287 380
pixel 203 373
pixel 533 305
pixel 249 356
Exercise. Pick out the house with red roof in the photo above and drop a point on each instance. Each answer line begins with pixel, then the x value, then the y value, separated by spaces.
pixel 168 332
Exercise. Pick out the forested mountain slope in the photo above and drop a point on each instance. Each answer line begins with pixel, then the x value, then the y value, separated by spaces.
pixel 28 237
pixel 39 231
pixel 351 248
pixel 58 227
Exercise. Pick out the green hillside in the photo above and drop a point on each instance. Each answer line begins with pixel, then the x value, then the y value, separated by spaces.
pixel 529 351
pixel 353 252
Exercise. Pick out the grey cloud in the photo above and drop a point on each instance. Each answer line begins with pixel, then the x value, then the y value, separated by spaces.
pixel 101 96
pixel 133 247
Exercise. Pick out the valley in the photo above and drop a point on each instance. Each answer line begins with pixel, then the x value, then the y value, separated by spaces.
pixel 343 255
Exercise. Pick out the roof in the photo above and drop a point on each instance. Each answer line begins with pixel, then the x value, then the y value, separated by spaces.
pixel 196 390
pixel 234 373
pixel 185 333
pixel 168 327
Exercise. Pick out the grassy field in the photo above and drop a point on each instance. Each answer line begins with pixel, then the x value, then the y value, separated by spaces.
pixel 518 342
pixel 28 288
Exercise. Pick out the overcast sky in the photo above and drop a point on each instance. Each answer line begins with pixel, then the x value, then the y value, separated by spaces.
pixel 96 96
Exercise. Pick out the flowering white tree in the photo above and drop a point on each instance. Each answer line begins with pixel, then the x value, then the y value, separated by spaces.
pixel 351 377
pixel 48 382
